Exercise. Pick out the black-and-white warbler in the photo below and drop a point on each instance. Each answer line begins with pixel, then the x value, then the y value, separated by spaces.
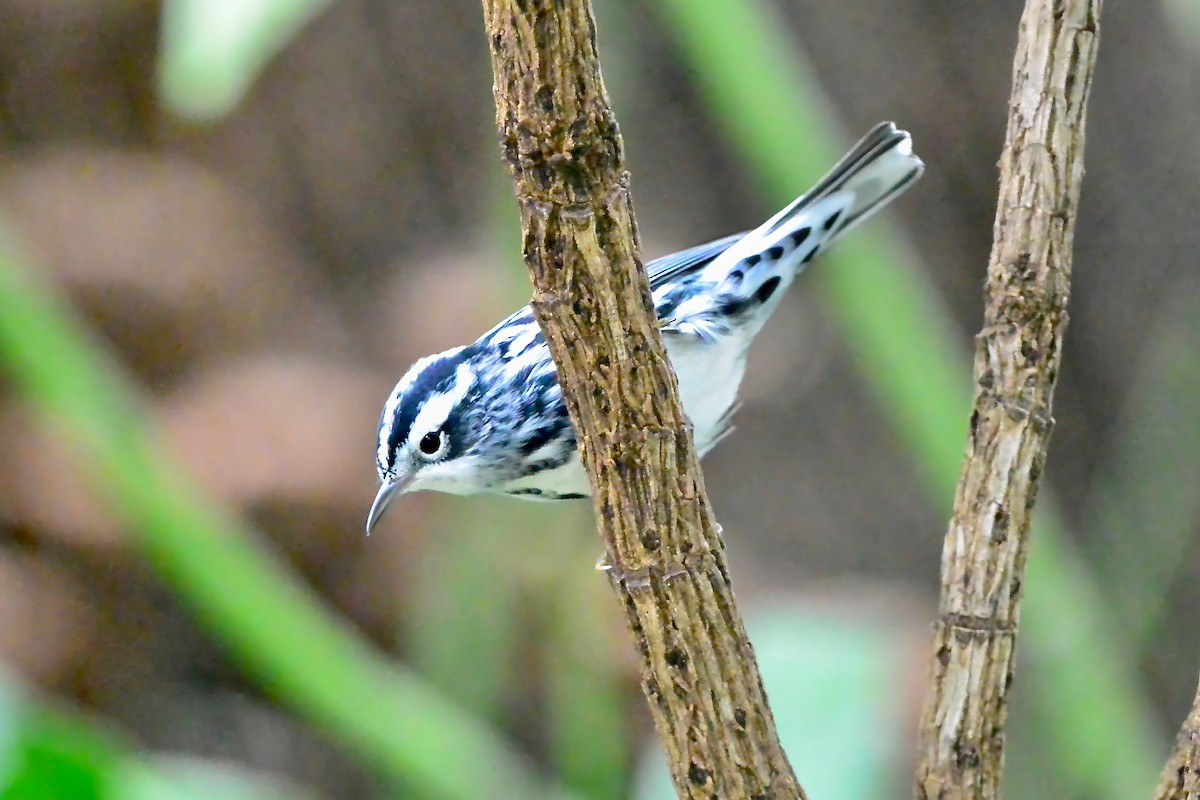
pixel 489 417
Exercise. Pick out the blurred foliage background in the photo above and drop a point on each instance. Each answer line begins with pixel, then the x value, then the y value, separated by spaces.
pixel 232 225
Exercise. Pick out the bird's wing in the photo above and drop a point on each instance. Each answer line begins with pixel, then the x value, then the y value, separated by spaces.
pixel 668 268
pixel 670 279
pixel 661 271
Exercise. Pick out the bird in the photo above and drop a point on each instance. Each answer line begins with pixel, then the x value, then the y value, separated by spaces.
pixel 490 417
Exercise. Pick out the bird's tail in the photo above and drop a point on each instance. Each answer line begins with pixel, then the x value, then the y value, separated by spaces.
pixel 878 168
pixel 875 171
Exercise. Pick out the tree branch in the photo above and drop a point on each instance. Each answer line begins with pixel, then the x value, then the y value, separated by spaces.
pixel 1016 364
pixel 1180 779
pixel 592 300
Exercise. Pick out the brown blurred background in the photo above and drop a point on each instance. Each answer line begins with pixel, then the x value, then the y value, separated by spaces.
pixel 269 276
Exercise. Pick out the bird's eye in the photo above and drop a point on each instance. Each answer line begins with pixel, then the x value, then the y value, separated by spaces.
pixel 432 443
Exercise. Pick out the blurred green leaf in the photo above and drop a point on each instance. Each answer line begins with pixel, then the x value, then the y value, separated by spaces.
pixel 463 627
pixel 48 755
pixel 268 620
pixel 1094 714
pixel 213 50
pixel 1144 507
pixel 179 777
pixel 1029 768
pixel 495 569
pixel 588 703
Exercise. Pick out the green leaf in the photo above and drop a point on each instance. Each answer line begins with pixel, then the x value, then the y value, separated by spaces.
pixel 188 778
pixel 588 703
pixel 463 626
pixel 1144 508
pixel 213 50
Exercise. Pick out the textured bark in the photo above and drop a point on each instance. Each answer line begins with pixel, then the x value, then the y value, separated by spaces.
pixel 1180 779
pixel 592 299
pixel 1016 363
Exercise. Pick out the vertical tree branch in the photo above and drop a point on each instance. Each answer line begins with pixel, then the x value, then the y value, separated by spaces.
pixel 592 300
pixel 1181 777
pixel 1016 364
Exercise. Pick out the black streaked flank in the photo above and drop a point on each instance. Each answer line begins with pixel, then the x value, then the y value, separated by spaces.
pixel 799 236
pixel 543 435
pixel 775 253
pixel 545 495
pixel 526 374
pixel 811 255
pixel 833 218
pixel 540 402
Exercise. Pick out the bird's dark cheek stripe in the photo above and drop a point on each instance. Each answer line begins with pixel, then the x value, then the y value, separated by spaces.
pixel 395 438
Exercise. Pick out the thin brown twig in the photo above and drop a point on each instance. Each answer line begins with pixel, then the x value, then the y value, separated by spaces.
pixel 592 300
pixel 1017 360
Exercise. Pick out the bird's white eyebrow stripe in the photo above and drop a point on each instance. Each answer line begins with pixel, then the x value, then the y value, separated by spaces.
pixel 438 407
pixel 387 419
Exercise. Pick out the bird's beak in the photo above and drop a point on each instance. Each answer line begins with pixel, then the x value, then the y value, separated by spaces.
pixel 387 493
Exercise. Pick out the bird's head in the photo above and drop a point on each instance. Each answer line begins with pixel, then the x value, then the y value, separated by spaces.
pixel 432 431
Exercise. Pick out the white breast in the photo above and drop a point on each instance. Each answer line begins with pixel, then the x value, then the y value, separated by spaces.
pixel 568 479
pixel 709 376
